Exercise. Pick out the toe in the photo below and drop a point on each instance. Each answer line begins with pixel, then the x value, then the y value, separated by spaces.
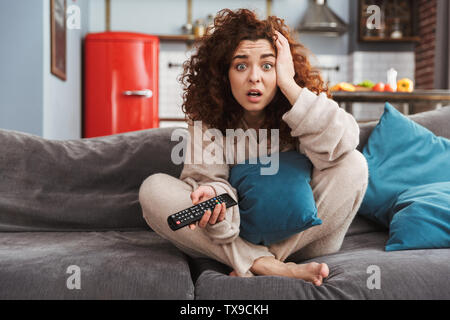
pixel 324 271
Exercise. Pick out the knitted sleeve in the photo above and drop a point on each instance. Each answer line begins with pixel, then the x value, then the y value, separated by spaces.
pixel 325 131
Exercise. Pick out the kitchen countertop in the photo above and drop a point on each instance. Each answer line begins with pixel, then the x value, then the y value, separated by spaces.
pixel 436 97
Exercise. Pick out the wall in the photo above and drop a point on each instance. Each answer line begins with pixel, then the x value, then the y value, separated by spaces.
pixel 426 48
pixel 167 17
pixel 21 55
pixel 442 53
pixel 32 99
pixel 62 106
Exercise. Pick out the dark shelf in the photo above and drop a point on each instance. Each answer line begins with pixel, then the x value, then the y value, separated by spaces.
pixel 378 39
pixel 399 15
pixel 177 37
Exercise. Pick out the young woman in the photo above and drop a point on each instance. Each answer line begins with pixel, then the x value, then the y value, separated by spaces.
pixel 250 73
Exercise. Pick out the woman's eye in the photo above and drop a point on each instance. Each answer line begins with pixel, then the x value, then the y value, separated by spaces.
pixel 267 66
pixel 240 66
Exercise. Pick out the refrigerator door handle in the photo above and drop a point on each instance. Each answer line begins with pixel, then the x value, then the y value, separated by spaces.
pixel 144 93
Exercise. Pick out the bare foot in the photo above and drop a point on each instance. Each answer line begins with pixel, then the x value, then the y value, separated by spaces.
pixel 312 272
pixel 233 274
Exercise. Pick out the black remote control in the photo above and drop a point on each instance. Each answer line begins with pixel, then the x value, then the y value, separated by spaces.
pixel 190 215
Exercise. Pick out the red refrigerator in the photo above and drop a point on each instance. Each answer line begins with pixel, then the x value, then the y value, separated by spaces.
pixel 121 83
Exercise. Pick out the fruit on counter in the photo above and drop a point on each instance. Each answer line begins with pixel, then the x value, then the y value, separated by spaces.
pixel 366 84
pixel 405 85
pixel 347 86
pixel 359 88
pixel 388 88
pixel 343 86
pixel 336 87
pixel 378 87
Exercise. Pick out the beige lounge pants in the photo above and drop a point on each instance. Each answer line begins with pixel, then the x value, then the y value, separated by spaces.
pixel 338 192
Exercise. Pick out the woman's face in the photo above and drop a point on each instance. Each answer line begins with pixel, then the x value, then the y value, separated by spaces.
pixel 252 75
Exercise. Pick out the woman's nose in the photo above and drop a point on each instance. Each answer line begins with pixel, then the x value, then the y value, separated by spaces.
pixel 255 75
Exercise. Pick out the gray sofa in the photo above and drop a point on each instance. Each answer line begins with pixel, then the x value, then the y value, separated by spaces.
pixel 71 227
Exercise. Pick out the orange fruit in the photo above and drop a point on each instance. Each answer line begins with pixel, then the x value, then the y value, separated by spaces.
pixel 336 87
pixel 405 85
pixel 347 87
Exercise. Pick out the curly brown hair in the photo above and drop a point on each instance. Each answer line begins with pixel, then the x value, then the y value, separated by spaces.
pixel 207 92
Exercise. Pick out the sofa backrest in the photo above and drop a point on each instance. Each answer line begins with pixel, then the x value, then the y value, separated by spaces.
pixel 93 184
pixel 83 185
pixel 437 121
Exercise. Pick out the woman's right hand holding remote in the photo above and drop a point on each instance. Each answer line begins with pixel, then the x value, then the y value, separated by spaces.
pixel 203 193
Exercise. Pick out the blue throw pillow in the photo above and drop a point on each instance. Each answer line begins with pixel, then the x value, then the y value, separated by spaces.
pixel 275 207
pixel 421 218
pixel 401 154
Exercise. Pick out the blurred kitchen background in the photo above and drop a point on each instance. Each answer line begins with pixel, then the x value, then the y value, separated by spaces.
pixel 35 97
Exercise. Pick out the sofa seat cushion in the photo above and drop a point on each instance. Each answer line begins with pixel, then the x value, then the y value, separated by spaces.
pixel 412 274
pixel 104 265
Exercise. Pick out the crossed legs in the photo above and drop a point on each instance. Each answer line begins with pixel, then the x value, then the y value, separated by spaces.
pixel 338 192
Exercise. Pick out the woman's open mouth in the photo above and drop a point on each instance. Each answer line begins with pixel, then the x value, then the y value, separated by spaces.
pixel 254 96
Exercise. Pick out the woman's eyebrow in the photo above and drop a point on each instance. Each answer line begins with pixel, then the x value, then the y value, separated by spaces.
pixel 267 55
pixel 243 56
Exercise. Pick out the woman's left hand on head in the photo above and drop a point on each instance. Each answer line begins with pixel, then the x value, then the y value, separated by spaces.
pixel 285 64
